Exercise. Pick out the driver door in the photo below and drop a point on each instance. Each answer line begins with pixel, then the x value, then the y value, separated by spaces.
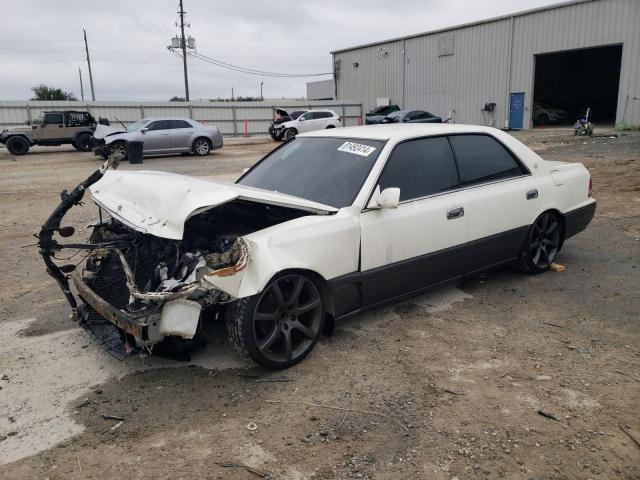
pixel 52 127
pixel 157 138
pixel 420 243
pixel 306 122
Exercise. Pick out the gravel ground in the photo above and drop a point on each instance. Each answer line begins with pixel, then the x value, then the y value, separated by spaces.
pixel 448 384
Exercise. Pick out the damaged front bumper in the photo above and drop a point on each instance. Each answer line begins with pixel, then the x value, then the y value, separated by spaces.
pixel 150 316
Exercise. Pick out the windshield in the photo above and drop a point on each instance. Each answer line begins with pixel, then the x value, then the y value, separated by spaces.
pixel 138 125
pixel 324 169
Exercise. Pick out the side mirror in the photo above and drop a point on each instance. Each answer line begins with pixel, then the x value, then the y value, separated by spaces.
pixel 302 119
pixel 144 129
pixel 388 198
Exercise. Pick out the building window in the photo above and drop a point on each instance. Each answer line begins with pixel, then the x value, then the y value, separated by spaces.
pixel 445 44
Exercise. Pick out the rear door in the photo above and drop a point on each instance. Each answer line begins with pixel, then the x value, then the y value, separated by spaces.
pixel 181 135
pixel 422 242
pixel 501 196
pixel 157 138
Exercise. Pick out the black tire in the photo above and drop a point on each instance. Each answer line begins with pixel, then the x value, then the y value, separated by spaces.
pixel 542 244
pixel 289 134
pixel 201 146
pixel 543 119
pixel 17 145
pixel 278 327
pixel 83 142
pixel 118 149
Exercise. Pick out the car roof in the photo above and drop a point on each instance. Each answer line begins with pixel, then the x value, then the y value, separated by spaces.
pixel 399 132
pixel 150 119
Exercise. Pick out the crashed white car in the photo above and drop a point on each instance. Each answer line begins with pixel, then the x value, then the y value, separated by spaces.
pixel 325 226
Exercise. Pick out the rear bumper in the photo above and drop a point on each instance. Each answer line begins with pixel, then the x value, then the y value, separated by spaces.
pixel 575 221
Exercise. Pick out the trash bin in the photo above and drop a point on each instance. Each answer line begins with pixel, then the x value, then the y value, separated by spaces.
pixel 134 152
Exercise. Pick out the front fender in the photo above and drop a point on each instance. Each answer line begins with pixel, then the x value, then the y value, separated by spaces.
pixel 327 245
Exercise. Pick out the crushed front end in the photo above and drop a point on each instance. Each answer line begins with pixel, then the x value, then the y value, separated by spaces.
pixel 151 287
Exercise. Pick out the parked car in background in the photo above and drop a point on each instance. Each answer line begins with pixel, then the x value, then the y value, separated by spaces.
pixel 411 116
pixel 543 114
pixel 160 136
pixel 376 115
pixel 307 122
pixel 330 224
pixel 281 116
pixel 51 129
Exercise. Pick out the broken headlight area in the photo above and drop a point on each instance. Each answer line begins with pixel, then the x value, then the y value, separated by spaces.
pixel 152 288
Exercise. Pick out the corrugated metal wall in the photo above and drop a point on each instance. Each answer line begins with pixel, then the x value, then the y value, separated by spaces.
pixel 322 90
pixel 492 59
pixel 229 117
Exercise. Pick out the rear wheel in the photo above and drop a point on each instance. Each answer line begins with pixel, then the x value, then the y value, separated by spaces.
pixel 201 146
pixel 289 134
pixel 542 244
pixel 83 142
pixel 17 145
pixel 278 327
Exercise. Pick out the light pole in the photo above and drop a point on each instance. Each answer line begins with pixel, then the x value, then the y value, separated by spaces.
pixel 261 97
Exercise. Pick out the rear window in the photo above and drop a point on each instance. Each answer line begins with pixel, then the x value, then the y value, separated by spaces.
pixel 53 118
pixel 180 124
pixel 482 159
pixel 326 170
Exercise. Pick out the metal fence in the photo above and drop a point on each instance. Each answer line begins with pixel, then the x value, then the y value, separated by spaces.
pixel 232 118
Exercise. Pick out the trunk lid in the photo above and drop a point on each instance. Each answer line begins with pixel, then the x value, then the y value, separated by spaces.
pixel 159 203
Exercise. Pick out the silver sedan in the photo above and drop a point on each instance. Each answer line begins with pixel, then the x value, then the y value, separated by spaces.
pixel 161 136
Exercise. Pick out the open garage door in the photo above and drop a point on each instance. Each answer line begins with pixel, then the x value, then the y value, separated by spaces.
pixel 566 83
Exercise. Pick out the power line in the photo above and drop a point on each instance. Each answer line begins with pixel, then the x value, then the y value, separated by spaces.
pixel 252 71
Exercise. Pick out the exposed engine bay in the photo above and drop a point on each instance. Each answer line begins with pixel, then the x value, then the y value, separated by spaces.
pixel 151 287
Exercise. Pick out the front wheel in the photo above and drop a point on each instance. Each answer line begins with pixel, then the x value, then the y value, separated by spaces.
pixel 201 146
pixel 542 244
pixel 17 145
pixel 117 151
pixel 278 327
pixel 289 134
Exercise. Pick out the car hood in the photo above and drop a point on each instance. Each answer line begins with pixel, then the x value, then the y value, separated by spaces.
pixel 103 131
pixel 160 203
pixel 19 128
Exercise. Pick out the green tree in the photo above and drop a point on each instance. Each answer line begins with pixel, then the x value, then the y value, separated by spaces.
pixel 43 92
pixel 177 99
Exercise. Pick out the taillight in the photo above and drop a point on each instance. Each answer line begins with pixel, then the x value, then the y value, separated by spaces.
pixel 590 186
pixel 339 119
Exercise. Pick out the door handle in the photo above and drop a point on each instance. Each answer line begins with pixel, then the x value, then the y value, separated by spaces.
pixel 531 194
pixel 456 212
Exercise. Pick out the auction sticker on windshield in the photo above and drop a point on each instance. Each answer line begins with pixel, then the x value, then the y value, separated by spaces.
pixel 356 148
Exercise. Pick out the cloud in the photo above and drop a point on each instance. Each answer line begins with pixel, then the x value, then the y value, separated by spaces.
pixel 42 41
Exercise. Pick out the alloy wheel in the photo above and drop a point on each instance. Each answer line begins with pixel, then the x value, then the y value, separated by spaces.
pixel 545 240
pixel 287 318
pixel 202 146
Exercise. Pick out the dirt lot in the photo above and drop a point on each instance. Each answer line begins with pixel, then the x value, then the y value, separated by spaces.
pixel 446 385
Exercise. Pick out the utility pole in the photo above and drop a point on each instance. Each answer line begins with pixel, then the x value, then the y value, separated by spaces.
pixel 81 86
pixel 261 97
pixel 183 44
pixel 232 97
pixel 86 48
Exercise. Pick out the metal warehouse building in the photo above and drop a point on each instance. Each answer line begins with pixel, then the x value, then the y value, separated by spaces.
pixel 569 56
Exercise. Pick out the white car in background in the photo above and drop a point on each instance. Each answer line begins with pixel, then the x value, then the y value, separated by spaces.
pixel 330 224
pixel 307 122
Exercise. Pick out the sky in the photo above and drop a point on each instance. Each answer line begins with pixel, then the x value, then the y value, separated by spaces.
pixel 42 42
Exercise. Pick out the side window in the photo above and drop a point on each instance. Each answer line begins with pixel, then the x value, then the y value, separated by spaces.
pixel 323 115
pixel 307 116
pixel 180 124
pixel 420 168
pixel 159 125
pixel 53 118
pixel 77 119
pixel 483 159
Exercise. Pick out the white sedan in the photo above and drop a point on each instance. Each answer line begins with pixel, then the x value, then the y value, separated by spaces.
pixel 327 225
